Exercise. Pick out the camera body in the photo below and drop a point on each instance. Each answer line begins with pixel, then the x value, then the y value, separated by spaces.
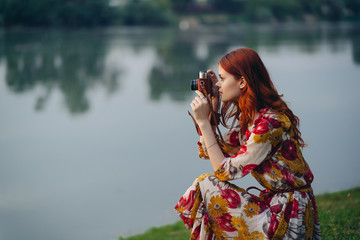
pixel 202 83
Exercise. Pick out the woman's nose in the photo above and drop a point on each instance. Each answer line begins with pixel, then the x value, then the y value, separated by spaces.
pixel 218 84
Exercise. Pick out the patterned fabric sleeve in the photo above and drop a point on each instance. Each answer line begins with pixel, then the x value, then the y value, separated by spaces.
pixel 231 138
pixel 267 133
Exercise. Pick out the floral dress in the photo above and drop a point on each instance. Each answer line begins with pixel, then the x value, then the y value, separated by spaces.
pixel 213 208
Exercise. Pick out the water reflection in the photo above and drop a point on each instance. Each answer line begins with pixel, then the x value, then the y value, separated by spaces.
pixel 355 40
pixel 179 58
pixel 94 172
pixel 73 62
pixel 69 62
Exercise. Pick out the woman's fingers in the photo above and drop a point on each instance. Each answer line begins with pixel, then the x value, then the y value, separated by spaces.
pixel 199 101
pixel 213 75
pixel 201 97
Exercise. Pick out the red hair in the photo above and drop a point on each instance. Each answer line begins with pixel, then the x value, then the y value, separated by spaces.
pixel 258 93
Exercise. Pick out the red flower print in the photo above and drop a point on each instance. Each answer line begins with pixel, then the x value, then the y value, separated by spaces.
pixel 234 138
pixel 289 150
pixel 288 211
pixel 265 167
pixel 187 203
pixel 243 149
pixel 274 223
pixel 295 209
pixel 288 177
pixel 256 122
pixel 247 134
pixel 313 203
pixel 274 123
pixel 225 222
pixel 248 168
pixel 196 233
pixel 232 197
pixel 206 218
pixel 261 128
pixel 309 177
pixel 276 208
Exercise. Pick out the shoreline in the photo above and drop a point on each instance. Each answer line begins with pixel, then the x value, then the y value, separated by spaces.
pixel 339 214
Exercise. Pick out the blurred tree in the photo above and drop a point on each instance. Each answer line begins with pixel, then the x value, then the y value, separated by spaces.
pixel 258 11
pixel 353 7
pixel 333 10
pixel 75 13
pixel 182 6
pixel 310 7
pixel 146 12
pixel 69 13
pixel 228 6
pixel 85 12
pixel 283 9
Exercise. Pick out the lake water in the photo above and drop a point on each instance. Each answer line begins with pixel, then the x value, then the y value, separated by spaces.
pixel 95 140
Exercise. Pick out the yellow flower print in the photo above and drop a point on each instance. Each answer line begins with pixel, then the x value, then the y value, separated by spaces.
pixel 217 206
pixel 261 138
pixel 251 209
pixel 219 233
pixel 285 122
pixel 275 173
pixel 299 183
pixel 180 209
pixel 292 133
pixel 309 221
pixel 296 165
pixel 221 174
pixel 276 136
pixel 203 176
pixel 243 235
pixel 239 224
pixel 202 153
pixel 257 235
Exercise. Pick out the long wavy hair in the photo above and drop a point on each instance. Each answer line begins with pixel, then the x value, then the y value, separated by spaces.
pixel 258 93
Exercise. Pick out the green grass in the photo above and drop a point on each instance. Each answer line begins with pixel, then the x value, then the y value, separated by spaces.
pixel 176 231
pixel 339 215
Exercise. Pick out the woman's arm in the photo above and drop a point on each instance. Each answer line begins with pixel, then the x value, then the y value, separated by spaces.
pixel 201 111
pixel 215 154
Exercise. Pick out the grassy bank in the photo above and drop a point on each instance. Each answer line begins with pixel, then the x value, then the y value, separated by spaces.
pixel 339 215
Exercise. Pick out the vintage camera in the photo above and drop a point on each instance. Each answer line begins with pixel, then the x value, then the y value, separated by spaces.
pixel 202 83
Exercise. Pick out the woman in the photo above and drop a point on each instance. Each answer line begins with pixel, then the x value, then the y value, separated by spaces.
pixel 267 144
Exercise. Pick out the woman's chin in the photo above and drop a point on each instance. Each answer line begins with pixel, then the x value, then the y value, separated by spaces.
pixel 224 99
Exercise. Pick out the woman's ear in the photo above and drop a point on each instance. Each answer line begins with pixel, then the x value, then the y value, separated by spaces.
pixel 242 82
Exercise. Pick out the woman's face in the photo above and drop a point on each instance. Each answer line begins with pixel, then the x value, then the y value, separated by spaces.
pixel 229 87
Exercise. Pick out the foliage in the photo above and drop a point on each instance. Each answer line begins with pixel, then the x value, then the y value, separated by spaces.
pixel 339 215
pixel 74 13
pixel 182 6
pixel 146 12
pixel 56 12
pixel 175 231
pixel 228 6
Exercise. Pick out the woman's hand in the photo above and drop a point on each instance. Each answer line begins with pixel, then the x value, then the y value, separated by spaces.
pixel 200 107
pixel 215 90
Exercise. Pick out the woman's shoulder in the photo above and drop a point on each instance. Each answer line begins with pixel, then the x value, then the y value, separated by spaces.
pixel 273 118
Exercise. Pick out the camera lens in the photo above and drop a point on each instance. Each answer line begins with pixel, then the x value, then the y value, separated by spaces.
pixel 193 85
